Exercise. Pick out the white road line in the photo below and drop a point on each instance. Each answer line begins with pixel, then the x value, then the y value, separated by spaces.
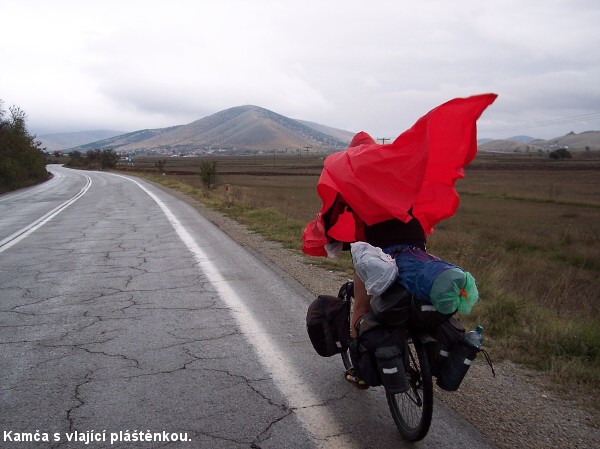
pixel 27 230
pixel 308 408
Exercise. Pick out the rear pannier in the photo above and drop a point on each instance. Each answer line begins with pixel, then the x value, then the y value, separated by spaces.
pixel 328 324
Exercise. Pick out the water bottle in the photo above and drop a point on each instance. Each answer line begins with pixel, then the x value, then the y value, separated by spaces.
pixel 475 337
pixel 460 359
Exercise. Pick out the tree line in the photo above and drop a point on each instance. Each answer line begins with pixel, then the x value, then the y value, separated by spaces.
pixel 22 161
pixel 93 159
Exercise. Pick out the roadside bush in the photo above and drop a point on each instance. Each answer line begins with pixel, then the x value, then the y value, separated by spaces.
pixel 75 155
pixel 160 166
pixel 208 174
pixel 22 162
pixel 108 159
pixel 9 172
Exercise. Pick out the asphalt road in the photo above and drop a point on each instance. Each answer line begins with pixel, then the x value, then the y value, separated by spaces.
pixel 122 309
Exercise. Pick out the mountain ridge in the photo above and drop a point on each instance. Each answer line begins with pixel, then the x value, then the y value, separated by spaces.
pixel 123 139
pixel 584 141
pixel 62 141
pixel 240 128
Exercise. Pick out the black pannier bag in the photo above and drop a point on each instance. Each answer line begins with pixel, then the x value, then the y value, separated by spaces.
pixel 377 354
pixel 447 336
pixel 456 366
pixel 391 369
pixel 328 325
pixel 443 336
pixel 393 307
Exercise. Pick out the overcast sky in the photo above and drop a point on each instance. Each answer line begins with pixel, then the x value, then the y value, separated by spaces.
pixel 370 65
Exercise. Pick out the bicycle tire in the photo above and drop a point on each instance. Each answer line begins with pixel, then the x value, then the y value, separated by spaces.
pixel 412 410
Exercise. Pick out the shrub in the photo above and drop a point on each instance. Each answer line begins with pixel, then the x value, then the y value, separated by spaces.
pixel 22 162
pixel 9 172
pixel 108 159
pixel 208 174
pixel 561 153
pixel 160 165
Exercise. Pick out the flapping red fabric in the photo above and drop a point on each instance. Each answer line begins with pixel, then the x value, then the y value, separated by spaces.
pixel 418 170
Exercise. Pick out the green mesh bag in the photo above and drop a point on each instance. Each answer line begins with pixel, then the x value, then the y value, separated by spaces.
pixel 469 295
pixel 454 289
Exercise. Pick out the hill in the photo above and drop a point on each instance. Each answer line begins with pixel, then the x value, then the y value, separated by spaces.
pixel 574 142
pixel 62 141
pixel 341 134
pixel 121 140
pixel 503 145
pixel 589 140
pixel 522 139
pixel 242 128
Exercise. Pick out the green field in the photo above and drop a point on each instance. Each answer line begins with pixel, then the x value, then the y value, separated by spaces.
pixel 528 228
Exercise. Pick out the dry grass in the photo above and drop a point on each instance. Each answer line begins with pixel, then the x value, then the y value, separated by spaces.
pixel 529 233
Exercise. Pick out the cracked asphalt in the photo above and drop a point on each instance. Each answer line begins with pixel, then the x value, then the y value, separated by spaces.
pixel 108 322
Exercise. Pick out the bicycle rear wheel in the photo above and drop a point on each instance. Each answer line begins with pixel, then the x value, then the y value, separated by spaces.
pixel 413 409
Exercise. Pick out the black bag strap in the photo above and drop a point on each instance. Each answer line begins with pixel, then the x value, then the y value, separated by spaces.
pixel 489 361
pixel 346 292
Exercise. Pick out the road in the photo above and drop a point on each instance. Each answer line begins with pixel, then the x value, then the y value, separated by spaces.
pixel 122 309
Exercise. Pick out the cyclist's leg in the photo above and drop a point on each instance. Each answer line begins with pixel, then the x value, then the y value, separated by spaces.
pixel 360 306
pixel 362 303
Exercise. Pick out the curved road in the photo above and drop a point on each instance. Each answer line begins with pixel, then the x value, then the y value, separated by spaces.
pixel 123 309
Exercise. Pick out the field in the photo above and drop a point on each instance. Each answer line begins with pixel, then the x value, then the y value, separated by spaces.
pixel 528 229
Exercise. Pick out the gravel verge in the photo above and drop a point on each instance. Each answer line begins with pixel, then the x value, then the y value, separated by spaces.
pixel 517 408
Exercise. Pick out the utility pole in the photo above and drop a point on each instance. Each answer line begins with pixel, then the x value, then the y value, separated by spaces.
pixel 307 148
pixel 383 139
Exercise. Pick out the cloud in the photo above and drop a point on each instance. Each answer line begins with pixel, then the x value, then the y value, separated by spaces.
pixel 356 65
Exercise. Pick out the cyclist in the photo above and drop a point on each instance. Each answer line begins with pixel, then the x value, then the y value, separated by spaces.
pixel 390 236
pixel 388 186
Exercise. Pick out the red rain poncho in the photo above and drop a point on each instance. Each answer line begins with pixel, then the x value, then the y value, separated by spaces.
pixel 419 170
